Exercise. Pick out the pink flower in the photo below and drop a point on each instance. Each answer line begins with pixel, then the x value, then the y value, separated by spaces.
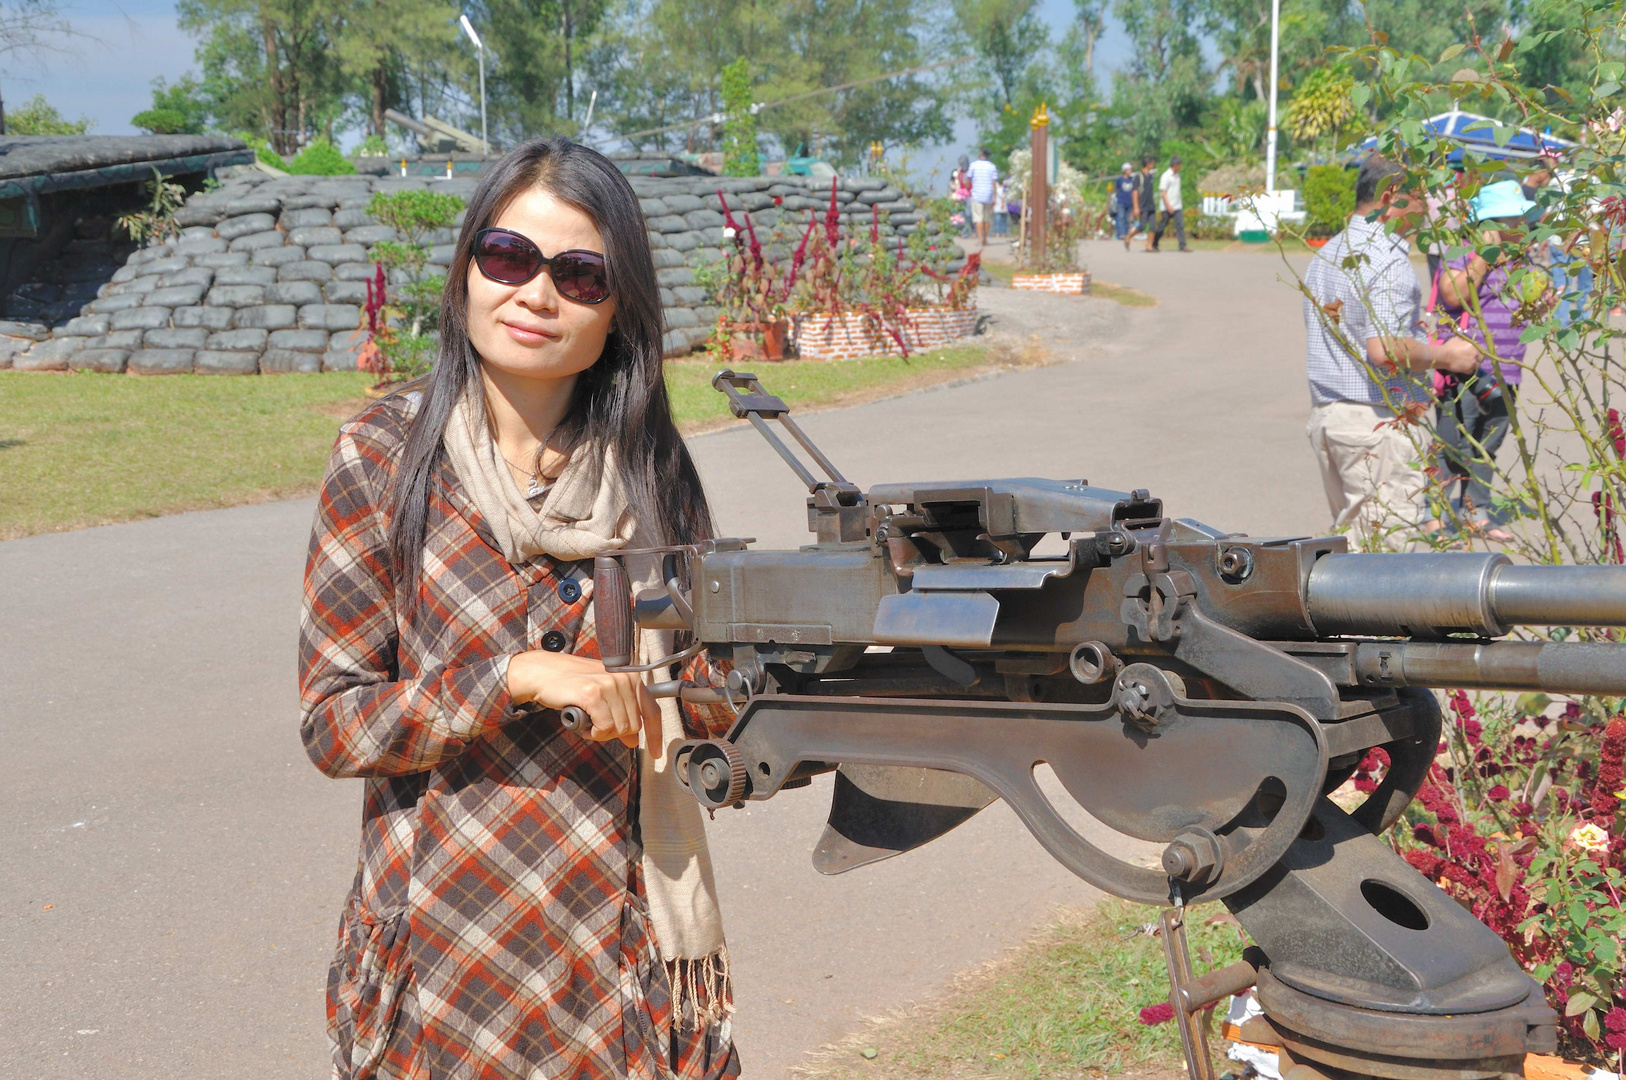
pixel 1615 1020
pixel 1161 1013
pixel 1499 793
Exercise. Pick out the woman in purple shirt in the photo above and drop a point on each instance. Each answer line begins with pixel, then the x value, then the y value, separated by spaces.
pixel 1473 410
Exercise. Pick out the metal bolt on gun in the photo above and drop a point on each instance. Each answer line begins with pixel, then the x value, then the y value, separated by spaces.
pixel 1190 687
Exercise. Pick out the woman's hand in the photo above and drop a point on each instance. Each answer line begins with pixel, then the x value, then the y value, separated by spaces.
pixel 618 704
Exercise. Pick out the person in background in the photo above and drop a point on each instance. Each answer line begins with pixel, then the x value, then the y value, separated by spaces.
pixel 1168 193
pixel 1124 187
pixel 982 176
pixel 1472 418
pixel 1002 208
pixel 1363 321
pixel 1143 211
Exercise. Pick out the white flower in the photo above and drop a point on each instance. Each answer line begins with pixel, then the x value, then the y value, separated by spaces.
pixel 729 234
pixel 1590 838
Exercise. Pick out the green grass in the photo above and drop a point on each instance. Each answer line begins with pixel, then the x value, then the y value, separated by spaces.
pixel 78 450
pixel 809 384
pixel 85 449
pixel 1067 1004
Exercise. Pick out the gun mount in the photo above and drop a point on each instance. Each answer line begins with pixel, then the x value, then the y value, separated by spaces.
pixel 1194 688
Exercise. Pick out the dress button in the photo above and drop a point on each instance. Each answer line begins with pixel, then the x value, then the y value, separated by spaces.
pixel 553 641
pixel 570 590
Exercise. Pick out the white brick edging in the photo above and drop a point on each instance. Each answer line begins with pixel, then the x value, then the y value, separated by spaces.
pixel 852 334
pixel 1072 284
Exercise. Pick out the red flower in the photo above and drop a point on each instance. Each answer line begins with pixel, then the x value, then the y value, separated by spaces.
pixel 1616 435
pixel 779 200
pixel 1615 1020
pixel 1605 800
pixel 1161 1013
pixel 832 217
pixel 1499 793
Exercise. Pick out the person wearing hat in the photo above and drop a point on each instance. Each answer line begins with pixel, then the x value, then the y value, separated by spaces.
pixel 1473 409
pixel 1367 358
pixel 1124 186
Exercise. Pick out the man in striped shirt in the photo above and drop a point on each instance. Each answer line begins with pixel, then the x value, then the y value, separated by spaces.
pixel 1366 352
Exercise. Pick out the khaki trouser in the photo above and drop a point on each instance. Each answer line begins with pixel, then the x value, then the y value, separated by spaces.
pixel 1370 473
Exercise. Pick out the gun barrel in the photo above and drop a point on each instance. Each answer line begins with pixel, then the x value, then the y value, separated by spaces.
pixel 1555 667
pixel 1436 594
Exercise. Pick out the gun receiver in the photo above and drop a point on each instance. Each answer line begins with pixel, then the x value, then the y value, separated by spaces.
pixel 1198 689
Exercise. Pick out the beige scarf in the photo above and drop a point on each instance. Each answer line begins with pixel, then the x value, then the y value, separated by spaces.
pixel 583 513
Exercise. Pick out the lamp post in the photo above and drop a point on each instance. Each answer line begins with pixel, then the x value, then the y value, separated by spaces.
pixel 485 144
pixel 1270 133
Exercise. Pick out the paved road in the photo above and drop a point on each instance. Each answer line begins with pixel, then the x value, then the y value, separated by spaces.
pixel 173 866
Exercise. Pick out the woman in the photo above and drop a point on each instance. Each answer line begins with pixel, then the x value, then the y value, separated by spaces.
pixel 1474 409
pixel 529 901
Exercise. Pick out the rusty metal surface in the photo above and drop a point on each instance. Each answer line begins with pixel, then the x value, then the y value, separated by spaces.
pixel 1150 783
pixel 1189 686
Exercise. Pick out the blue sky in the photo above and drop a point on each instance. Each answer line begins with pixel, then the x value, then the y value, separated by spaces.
pixel 107 74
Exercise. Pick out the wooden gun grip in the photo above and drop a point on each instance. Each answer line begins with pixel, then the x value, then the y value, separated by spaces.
pixel 612 611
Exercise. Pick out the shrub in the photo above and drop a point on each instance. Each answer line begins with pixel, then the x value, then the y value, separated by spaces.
pixel 1329 198
pixel 401 330
pixel 39 117
pixel 1521 818
pixel 321 158
pixel 262 149
pixel 176 110
pixel 157 222
pixel 1212 227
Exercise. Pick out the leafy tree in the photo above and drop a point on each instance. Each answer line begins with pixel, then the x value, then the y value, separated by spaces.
pixel 1008 36
pixel 379 43
pixel 176 110
pixel 1166 83
pixel 661 64
pixel 740 129
pixel 39 117
pixel 268 65
pixel 28 28
pixel 1322 108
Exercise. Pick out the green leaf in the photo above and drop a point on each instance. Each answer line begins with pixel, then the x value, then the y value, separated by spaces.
pixel 1451 53
pixel 1589 1024
pixel 1606 89
pixel 1579 1003
pixel 1579 916
pixel 1360 94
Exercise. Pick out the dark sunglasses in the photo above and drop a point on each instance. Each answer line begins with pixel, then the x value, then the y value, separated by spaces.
pixel 512 259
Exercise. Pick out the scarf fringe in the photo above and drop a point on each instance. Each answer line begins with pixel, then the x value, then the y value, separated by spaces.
pixel 702 990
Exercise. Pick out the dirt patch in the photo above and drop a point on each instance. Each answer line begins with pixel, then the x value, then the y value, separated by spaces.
pixel 343 410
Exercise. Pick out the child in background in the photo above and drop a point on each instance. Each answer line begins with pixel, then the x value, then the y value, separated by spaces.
pixel 1473 409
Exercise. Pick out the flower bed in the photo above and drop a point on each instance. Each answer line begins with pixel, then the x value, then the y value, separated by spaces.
pixel 852 334
pixel 1076 284
pixel 846 294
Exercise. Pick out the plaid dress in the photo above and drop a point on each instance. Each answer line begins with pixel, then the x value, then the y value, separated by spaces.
pixel 497 926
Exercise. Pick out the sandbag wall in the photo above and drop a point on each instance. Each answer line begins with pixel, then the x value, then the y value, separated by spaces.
pixel 269 273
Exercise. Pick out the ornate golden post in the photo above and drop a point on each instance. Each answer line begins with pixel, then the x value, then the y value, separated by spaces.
pixel 1039 185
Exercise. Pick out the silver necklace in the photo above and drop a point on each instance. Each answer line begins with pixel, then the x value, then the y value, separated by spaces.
pixel 535 474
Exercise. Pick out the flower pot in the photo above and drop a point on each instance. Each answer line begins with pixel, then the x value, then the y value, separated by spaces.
pixel 852 334
pixel 756 340
pixel 1076 283
pixel 1317 241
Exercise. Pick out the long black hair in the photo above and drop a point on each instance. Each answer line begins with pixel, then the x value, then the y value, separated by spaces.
pixel 620 403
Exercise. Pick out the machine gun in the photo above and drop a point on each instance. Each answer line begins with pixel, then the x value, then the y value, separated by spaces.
pixel 1198 689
